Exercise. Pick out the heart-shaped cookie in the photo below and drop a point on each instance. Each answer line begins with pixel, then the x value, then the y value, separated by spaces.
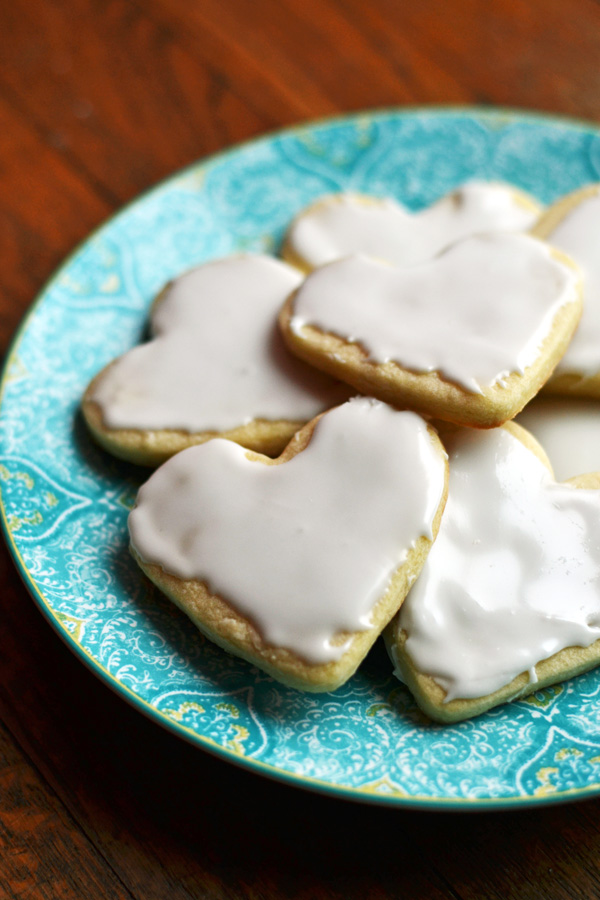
pixel 468 337
pixel 573 225
pixel 296 564
pixel 509 598
pixel 216 365
pixel 339 225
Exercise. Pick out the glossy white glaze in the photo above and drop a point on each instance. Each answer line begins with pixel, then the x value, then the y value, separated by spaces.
pixel 216 360
pixel 579 235
pixel 348 223
pixel 475 314
pixel 306 548
pixel 514 575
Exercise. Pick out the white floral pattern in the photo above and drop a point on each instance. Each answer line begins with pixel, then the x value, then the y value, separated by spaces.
pixel 65 502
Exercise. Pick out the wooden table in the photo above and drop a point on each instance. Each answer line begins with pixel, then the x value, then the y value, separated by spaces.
pixel 98 100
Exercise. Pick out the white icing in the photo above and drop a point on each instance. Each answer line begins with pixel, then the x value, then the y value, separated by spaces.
pixel 475 314
pixel 579 235
pixel 514 575
pixel 347 223
pixel 216 360
pixel 306 548
pixel 569 432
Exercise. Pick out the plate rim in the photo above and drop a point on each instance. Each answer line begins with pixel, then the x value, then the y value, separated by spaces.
pixel 367 795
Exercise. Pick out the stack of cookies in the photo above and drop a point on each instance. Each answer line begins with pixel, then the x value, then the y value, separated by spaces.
pixel 336 451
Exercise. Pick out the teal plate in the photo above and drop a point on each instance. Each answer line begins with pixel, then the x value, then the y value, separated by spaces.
pixel 65 503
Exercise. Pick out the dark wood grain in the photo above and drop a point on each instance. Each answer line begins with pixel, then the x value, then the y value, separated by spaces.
pixel 39 840
pixel 42 218
pixel 115 93
pixel 516 53
pixel 99 100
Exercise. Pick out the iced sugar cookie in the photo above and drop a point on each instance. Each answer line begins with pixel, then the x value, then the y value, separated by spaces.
pixel 296 564
pixel 569 432
pixel 509 598
pixel 469 336
pixel 342 224
pixel 216 364
pixel 573 225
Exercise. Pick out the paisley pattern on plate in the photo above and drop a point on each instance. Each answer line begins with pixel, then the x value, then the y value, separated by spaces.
pixel 65 502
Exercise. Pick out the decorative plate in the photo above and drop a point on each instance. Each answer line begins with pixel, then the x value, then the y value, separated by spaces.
pixel 65 503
